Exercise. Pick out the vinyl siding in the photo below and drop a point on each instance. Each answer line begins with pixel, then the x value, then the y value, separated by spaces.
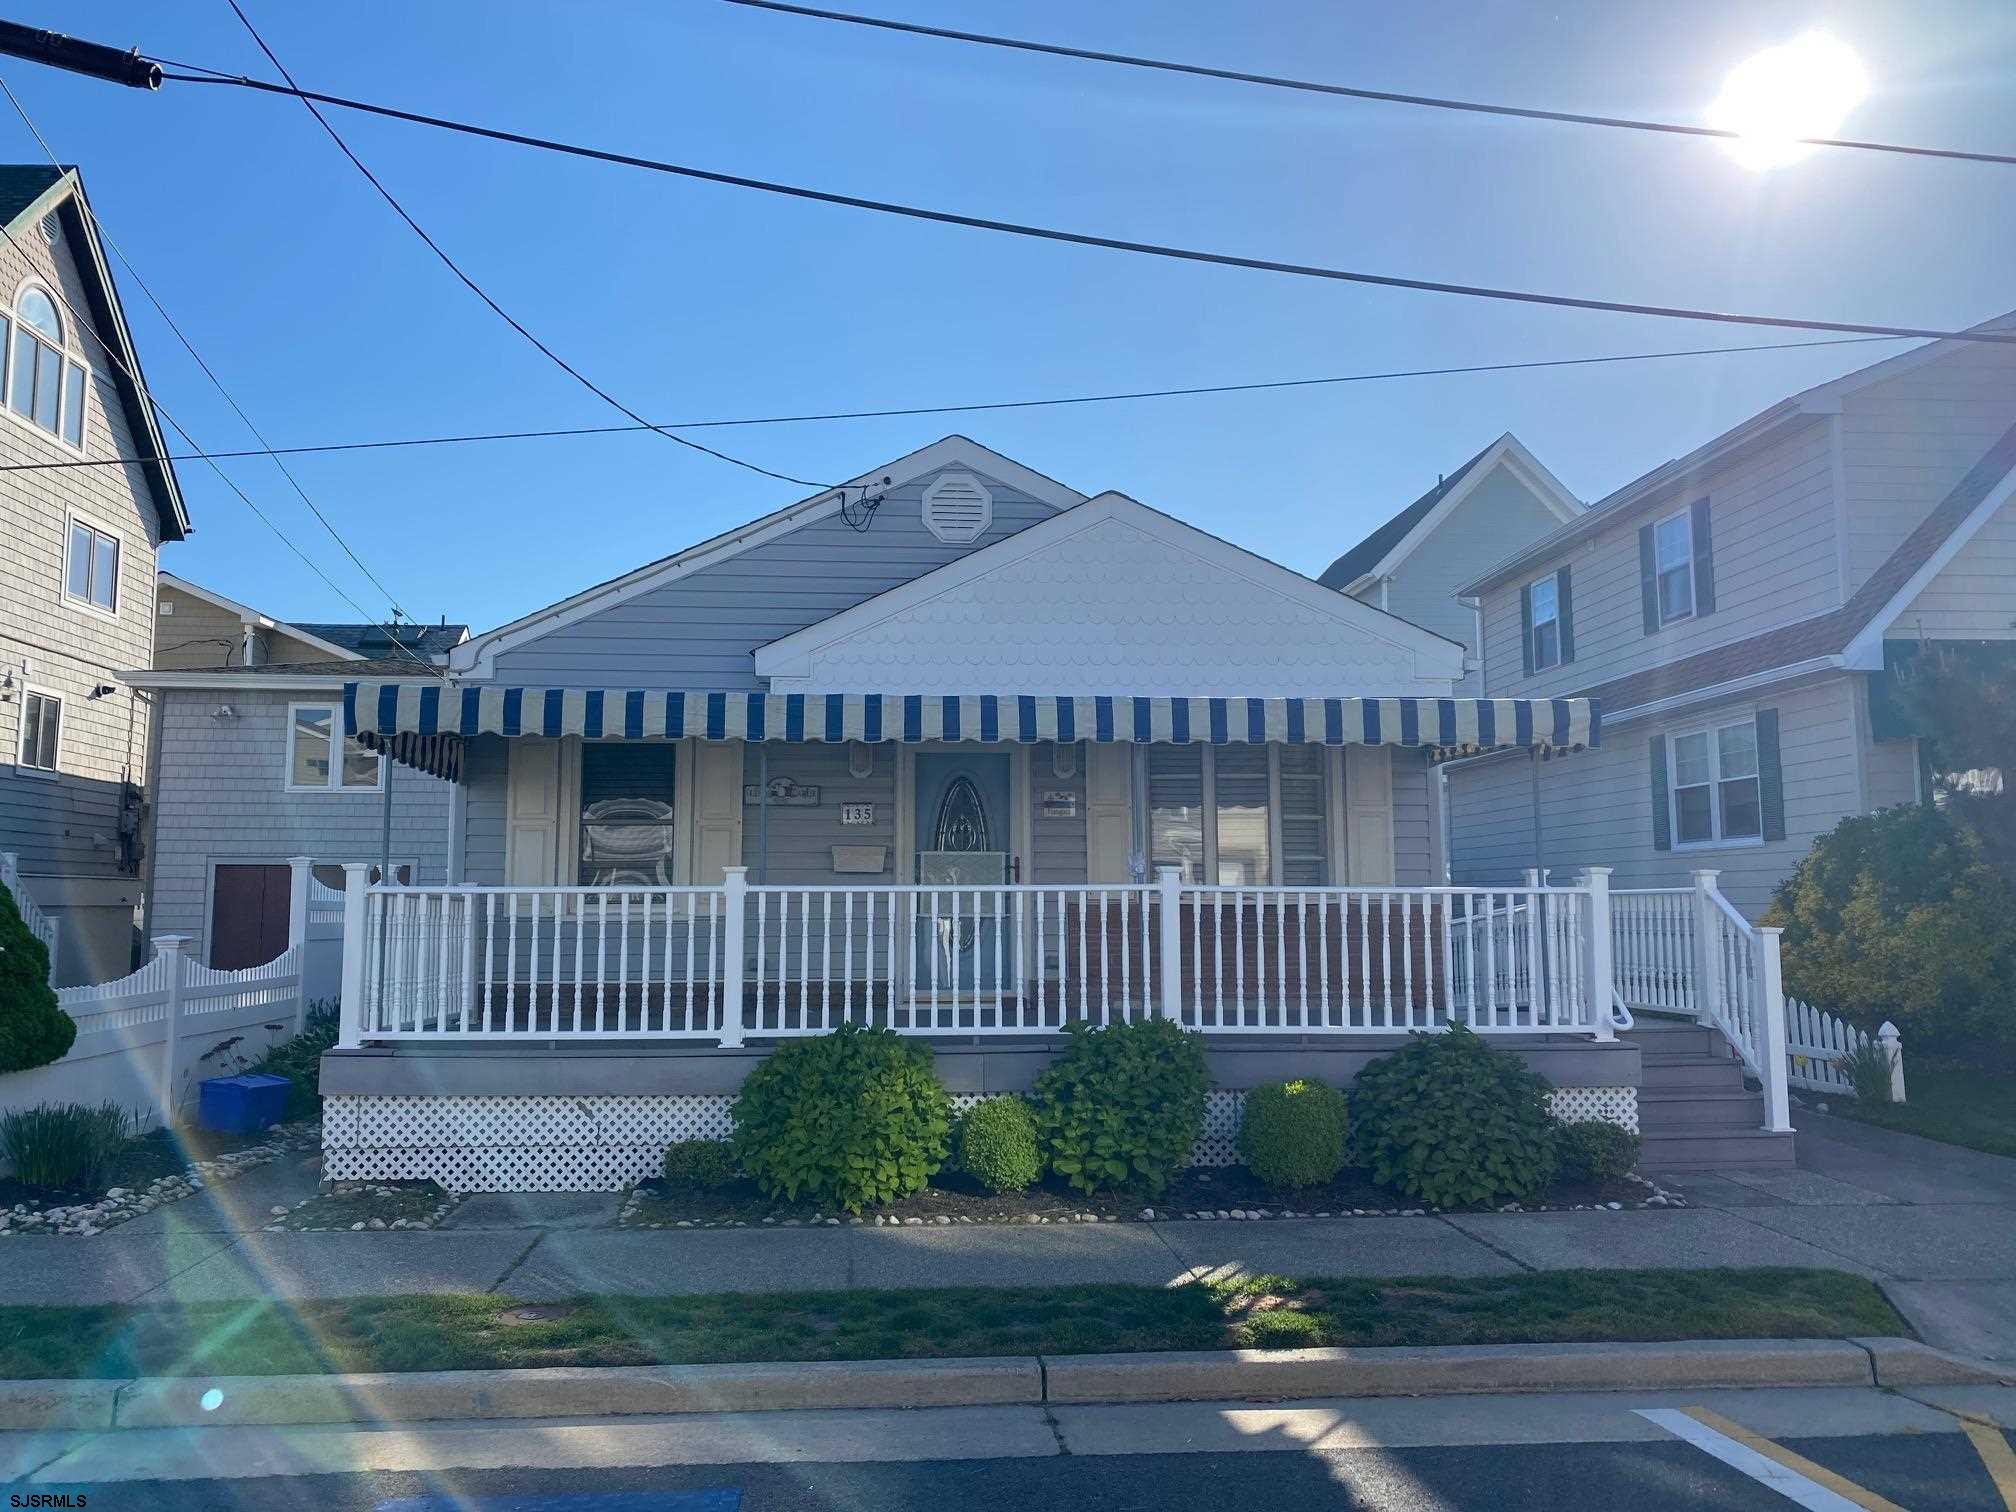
pixel 1058 845
pixel 1974 595
pixel 1775 562
pixel 701 631
pixel 1596 807
pixel 197 634
pixel 1499 518
pixel 221 796
pixel 1415 859
pixel 1908 440
pixel 68 827
pixel 802 839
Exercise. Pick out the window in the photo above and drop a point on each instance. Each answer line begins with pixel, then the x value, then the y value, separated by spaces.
pixel 92 575
pixel 44 384
pixel 1240 815
pixel 626 815
pixel 1546 600
pixel 41 732
pixel 1716 796
pixel 1674 542
pixel 310 767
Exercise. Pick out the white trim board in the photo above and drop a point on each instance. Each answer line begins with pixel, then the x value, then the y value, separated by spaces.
pixel 479 652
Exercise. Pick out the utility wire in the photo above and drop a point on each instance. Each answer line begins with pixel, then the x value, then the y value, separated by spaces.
pixel 266 447
pixel 1237 76
pixel 308 99
pixel 953 409
pixel 148 398
pixel 1082 238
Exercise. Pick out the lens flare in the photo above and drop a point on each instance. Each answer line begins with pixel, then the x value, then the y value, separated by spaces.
pixel 1802 88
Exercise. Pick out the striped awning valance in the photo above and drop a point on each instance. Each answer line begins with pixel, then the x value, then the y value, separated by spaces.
pixel 390 711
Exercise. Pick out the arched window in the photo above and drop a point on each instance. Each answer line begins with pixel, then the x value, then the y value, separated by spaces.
pixel 44 384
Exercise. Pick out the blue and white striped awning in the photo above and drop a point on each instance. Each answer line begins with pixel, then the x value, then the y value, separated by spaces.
pixel 420 722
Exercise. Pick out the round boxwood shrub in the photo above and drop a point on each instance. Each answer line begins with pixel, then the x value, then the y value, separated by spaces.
pixel 850 1118
pixel 700 1165
pixel 1452 1122
pixel 996 1145
pixel 1122 1105
pixel 1596 1150
pixel 1292 1133
pixel 34 1029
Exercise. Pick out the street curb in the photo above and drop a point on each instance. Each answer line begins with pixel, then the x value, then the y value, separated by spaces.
pixel 1228 1375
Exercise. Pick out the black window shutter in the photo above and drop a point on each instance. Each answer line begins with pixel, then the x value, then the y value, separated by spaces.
pixel 1770 779
pixel 1704 561
pixel 1648 578
pixel 1526 629
pixel 1564 599
pixel 1662 817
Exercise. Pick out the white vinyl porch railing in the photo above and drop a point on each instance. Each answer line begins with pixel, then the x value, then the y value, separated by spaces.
pixel 41 925
pixel 729 962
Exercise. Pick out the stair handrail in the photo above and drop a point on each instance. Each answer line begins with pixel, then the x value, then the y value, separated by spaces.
pixel 1740 990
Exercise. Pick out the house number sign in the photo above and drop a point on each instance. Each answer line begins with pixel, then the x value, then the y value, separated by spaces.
pixel 857 813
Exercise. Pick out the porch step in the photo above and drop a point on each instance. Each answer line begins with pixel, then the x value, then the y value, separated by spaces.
pixel 1667 1110
pixel 1703 1073
pixel 1715 1150
pixel 1656 1038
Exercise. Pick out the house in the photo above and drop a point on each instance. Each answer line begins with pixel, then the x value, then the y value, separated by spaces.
pixel 954 749
pixel 1499 501
pixel 77 561
pixel 1738 614
pixel 247 709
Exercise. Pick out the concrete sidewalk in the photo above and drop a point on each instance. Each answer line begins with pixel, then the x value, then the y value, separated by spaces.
pixel 1935 1225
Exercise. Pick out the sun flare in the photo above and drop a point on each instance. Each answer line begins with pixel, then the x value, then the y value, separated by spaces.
pixel 1802 88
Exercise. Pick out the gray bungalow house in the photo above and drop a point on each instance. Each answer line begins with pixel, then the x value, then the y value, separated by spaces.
pixel 955 750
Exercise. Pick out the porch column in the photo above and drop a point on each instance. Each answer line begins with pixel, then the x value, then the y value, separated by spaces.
pixel 1707 949
pixel 1774 1071
pixel 735 903
pixel 1169 964
pixel 350 1015
pixel 1602 979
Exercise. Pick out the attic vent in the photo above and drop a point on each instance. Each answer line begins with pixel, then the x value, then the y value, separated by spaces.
pixel 52 229
pixel 958 508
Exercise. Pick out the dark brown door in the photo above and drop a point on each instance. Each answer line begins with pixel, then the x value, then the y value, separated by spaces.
pixel 248 916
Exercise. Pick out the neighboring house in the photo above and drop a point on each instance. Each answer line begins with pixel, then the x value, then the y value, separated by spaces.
pixel 252 769
pixel 1498 502
pixel 953 749
pixel 77 561
pixel 1738 613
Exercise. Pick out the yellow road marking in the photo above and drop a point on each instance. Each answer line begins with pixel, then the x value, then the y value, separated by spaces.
pixel 1819 1474
pixel 1997 1456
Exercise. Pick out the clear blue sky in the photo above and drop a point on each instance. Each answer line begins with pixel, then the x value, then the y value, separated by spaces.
pixel 331 322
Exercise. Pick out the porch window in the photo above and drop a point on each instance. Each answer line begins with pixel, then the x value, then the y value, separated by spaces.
pixel 1240 815
pixel 626 814
pixel 1674 541
pixel 1715 785
pixel 311 765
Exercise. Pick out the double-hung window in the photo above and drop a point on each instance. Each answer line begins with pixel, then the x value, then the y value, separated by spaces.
pixel 41 733
pixel 321 759
pixel 45 385
pixel 627 817
pixel 1545 597
pixel 1715 795
pixel 1673 540
pixel 91 576
pixel 1240 815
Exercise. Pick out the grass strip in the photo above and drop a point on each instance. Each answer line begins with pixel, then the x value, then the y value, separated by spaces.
pixel 1954 1106
pixel 486 1332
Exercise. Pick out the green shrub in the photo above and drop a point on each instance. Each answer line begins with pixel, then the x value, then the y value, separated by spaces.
pixel 63 1146
pixel 1292 1133
pixel 850 1118
pixel 34 1029
pixel 1867 1068
pixel 1450 1121
pixel 1122 1105
pixel 1899 915
pixel 1596 1150
pixel 996 1144
pixel 700 1165
pixel 300 1060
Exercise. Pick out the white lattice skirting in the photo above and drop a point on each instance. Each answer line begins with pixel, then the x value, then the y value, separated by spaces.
pixel 596 1144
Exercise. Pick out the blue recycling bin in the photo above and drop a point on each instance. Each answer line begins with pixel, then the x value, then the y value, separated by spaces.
pixel 241 1104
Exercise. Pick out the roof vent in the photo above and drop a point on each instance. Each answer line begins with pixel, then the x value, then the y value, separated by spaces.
pixel 958 508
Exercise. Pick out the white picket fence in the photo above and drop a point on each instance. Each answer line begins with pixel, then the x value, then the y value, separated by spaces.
pixel 1817 1042
pixel 40 924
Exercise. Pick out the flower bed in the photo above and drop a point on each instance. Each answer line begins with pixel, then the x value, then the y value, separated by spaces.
pixel 151 1171
pixel 367 1206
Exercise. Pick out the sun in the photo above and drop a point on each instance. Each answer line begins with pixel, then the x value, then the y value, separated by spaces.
pixel 1802 88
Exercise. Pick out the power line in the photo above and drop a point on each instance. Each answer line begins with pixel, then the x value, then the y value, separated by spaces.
pixel 948 409
pixel 1088 239
pixel 477 289
pixel 160 309
pixel 1306 86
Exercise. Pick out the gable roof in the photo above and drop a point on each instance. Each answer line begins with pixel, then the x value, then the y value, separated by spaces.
pixel 1850 636
pixel 948 451
pixel 1393 542
pixel 1684 474
pixel 1108 616
pixel 22 205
